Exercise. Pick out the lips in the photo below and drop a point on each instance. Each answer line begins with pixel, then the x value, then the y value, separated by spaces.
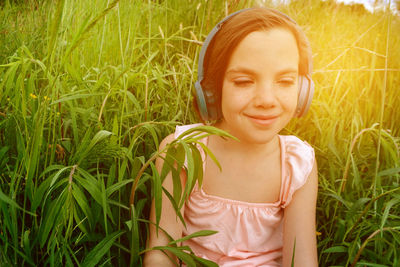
pixel 263 120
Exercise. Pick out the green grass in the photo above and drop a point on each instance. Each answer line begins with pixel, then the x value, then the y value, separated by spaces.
pixel 88 89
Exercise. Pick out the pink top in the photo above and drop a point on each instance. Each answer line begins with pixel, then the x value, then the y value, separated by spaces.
pixel 249 234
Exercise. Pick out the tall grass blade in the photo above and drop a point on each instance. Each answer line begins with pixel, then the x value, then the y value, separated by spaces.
pixel 157 193
pixel 54 29
pixel 96 254
pixel 6 199
pixel 86 26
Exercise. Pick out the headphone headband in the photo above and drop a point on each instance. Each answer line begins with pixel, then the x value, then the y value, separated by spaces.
pixel 207 42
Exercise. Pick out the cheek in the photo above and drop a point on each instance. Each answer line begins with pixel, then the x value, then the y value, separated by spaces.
pixel 289 100
pixel 229 98
pixel 233 102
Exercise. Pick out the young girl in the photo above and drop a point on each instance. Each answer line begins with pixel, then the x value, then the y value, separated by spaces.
pixel 257 67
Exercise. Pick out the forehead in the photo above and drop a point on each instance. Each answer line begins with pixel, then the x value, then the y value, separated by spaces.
pixel 273 48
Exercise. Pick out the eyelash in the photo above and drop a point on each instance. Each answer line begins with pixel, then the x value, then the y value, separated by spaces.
pixel 284 82
pixel 242 83
pixel 287 82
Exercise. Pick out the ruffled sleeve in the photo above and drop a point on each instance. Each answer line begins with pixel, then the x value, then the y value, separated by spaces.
pixel 299 160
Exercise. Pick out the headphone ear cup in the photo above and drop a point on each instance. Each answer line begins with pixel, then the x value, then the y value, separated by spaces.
pixel 306 92
pixel 213 109
pixel 201 101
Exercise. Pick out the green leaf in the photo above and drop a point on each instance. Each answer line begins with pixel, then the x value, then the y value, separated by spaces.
pixel 362 263
pixel 354 209
pixel 385 215
pixel 111 189
pixel 389 172
pixel 68 260
pixel 210 154
pixel 55 26
pixel 40 192
pixel 157 193
pixel 190 172
pixel 340 199
pixel 83 203
pixel 6 199
pixel 90 184
pixel 150 128
pixel 86 26
pixel 205 262
pixel 3 151
pixel 134 100
pixel 168 162
pixel 51 218
pixel 55 177
pixel 294 252
pixel 208 129
pixel 135 237
pixel 85 148
pixel 198 167
pixel 196 234
pixel 94 256
pixel 9 78
pixel 26 242
pixel 175 205
pixel 22 255
pixel 175 162
pixel 80 222
pixel 51 168
pixel 104 203
pixel 185 257
pixel 336 249
pixel 98 137
pixel 115 130
pixel 76 96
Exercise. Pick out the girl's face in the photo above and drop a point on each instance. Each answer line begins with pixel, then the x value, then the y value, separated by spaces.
pixel 260 86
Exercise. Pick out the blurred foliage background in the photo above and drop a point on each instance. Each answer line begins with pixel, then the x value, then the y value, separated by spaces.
pixel 89 88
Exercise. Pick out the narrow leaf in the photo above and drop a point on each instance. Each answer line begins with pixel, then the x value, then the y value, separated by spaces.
pixel 175 205
pixel 336 249
pixel 196 234
pixel 157 193
pixel 94 256
pixel 185 257
pixel 385 215
pixel 8 200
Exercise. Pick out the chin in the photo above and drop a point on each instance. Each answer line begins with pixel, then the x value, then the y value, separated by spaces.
pixel 250 133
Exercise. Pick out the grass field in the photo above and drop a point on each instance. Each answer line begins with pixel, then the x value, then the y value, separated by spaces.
pixel 89 88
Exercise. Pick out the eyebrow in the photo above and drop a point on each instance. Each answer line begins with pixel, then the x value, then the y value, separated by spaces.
pixel 252 72
pixel 240 70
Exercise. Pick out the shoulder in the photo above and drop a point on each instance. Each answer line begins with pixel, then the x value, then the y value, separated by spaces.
pixel 168 139
pixel 294 143
pixel 299 164
pixel 179 129
pixel 298 152
pixel 182 128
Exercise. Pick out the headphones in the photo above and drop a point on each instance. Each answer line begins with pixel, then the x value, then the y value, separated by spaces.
pixel 206 100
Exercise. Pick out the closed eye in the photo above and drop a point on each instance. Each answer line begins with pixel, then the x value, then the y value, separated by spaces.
pixel 242 82
pixel 287 82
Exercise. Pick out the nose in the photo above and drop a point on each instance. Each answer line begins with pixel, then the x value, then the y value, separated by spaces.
pixel 264 95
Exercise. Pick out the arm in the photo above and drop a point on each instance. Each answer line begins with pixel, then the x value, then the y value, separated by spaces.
pixel 299 225
pixel 168 221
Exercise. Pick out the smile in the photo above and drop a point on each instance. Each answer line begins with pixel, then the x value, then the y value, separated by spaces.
pixel 263 120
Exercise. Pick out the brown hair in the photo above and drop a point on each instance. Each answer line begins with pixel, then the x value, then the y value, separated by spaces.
pixel 233 31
